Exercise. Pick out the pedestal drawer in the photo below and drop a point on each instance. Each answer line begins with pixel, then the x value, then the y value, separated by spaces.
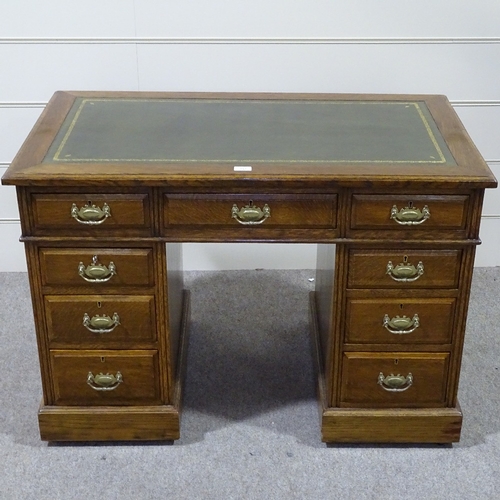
pixel 400 321
pixel 394 379
pixel 97 266
pixel 100 321
pixel 105 377
pixel 405 268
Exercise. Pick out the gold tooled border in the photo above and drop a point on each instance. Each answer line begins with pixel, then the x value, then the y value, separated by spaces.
pixel 426 124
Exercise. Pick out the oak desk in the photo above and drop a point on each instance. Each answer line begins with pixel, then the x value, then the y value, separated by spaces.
pixel 389 187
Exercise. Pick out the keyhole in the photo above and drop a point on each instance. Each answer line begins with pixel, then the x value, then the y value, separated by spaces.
pixel 99 304
pixel 401 306
pixel 410 204
pixel 405 259
pixel 396 361
pixel 103 359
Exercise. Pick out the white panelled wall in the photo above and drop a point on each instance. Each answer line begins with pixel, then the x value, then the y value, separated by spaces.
pixel 450 47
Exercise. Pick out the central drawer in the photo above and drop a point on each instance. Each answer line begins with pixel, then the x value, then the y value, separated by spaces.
pixel 290 211
pixel 105 377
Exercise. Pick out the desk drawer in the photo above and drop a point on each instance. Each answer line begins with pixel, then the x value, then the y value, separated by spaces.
pixel 252 210
pixel 400 321
pixel 404 268
pixel 105 377
pixel 398 212
pixel 98 267
pixel 97 321
pixel 91 213
pixel 394 379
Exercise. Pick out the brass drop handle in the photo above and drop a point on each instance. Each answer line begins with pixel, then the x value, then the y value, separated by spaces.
pixel 104 382
pixel 250 214
pixel 95 272
pixel 401 325
pixel 410 216
pixel 90 213
pixel 101 324
pixel 395 383
pixel 404 272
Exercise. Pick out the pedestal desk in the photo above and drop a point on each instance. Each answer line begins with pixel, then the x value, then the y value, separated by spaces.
pixel 389 187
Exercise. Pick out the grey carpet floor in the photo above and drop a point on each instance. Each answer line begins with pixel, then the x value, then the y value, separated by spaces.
pixel 250 427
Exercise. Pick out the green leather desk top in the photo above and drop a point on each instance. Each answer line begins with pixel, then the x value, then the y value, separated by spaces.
pixel 196 140
pixel 249 132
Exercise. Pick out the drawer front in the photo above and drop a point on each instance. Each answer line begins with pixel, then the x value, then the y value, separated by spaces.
pixel 100 321
pixel 99 267
pixel 425 212
pixel 394 379
pixel 400 321
pixel 404 268
pixel 105 377
pixel 95 213
pixel 291 211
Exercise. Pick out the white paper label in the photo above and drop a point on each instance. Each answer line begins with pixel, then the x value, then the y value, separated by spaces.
pixel 242 168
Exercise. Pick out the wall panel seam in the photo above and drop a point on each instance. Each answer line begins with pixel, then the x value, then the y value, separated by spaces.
pixel 251 40
pixel 492 163
pixel 475 103
pixel 480 103
pixel 22 104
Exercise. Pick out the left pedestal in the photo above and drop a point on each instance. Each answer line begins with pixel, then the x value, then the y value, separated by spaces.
pixel 111 315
